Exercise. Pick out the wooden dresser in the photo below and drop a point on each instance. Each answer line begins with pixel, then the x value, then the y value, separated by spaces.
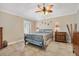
pixel 75 43
pixel 60 37
pixel 1 37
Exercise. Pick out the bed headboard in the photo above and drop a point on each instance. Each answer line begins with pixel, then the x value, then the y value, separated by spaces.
pixel 45 30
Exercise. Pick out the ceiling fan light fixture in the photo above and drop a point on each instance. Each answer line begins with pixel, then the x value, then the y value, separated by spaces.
pixel 45 9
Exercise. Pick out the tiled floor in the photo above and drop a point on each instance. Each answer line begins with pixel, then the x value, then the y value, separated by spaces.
pixel 53 49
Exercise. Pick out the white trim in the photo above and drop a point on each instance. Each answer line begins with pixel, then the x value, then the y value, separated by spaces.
pixel 14 42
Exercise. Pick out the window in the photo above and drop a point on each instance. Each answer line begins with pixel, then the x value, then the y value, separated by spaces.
pixel 27 26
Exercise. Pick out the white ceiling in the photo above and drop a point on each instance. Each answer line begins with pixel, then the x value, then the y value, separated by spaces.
pixel 27 10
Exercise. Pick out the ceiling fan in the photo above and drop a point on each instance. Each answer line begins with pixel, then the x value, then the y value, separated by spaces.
pixel 45 9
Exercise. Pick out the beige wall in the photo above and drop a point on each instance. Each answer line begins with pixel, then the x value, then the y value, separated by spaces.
pixel 13 29
pixel 76 20
pixel 63 20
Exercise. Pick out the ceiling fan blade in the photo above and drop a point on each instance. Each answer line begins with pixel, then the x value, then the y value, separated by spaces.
pixel 50 11
pixel 38 11
pixel 49 7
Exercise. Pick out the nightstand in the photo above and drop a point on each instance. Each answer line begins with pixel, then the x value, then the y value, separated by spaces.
pixel 60 37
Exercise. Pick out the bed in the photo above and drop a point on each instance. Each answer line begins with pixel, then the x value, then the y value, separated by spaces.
pixel 40 37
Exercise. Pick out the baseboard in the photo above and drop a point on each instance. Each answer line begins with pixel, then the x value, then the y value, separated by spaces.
pixel 15 42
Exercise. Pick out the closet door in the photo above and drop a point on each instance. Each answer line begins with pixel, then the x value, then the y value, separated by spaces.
pixel 0 37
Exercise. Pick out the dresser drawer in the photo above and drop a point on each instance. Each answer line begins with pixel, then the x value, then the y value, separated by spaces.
pixel 60 36
pixel 60 33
